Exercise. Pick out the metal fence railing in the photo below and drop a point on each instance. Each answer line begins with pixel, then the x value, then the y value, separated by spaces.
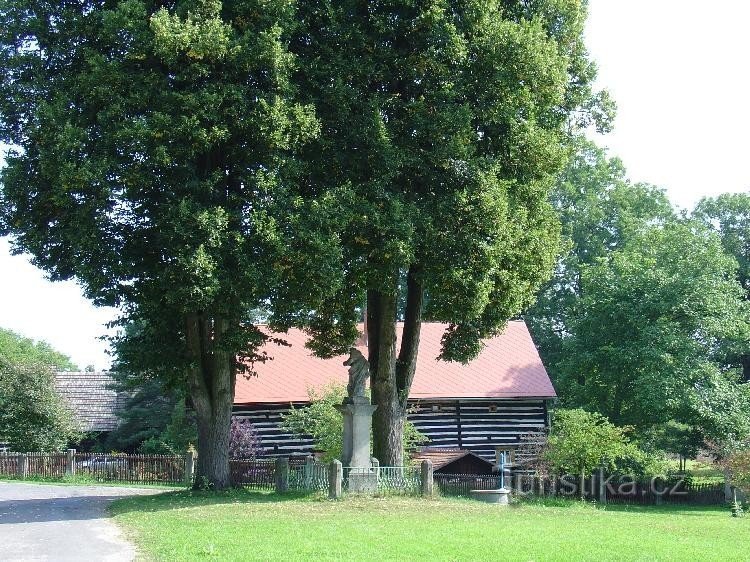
pixel 253 473
pixel 400 479
pixel 405 480
pixel 463 484
pixel 308 477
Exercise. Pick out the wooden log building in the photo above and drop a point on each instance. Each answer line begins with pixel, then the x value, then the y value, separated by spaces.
pixel 483 406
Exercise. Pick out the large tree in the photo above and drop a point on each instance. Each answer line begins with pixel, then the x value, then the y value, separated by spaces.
pixel 655 332
pixel 443 126
pixel 600 211
pixel 729 215
pixel 154 151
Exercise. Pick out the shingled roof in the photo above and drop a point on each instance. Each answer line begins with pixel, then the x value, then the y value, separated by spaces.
pixel 94 403
pixel 509 366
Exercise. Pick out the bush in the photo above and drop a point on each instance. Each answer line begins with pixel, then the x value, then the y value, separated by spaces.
pixel 178 436
pixel 244 442
pixel 581 442
pixel 738 465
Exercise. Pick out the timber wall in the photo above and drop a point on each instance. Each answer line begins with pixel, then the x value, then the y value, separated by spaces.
pixel 477 425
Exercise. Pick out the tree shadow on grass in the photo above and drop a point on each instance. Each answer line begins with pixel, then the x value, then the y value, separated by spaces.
pixel 88 503
pixel 668 509
pixel 192 499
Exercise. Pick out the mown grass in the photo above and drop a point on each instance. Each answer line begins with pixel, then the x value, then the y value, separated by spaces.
pixel 242 525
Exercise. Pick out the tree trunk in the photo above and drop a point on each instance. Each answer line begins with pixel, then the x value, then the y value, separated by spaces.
pixel 211 378
pixel 390 377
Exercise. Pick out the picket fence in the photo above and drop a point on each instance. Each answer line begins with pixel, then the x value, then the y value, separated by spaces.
pixel 95 467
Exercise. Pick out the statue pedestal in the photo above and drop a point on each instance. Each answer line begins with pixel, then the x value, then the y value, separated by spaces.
pixel 357 427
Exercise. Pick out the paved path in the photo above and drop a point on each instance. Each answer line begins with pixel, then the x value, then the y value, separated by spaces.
pixel 61 523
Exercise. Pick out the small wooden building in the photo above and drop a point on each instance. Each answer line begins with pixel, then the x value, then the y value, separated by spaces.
pixel 454 461
pixel 483 406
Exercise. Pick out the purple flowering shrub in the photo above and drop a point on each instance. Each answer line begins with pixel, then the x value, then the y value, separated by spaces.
pixel 244 442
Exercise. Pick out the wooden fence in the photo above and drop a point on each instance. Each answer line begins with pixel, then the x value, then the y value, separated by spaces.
pixel 95 467
pixel 308 475
pixel 131 469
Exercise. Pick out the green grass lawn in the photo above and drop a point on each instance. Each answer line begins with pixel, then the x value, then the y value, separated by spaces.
pixel 257 526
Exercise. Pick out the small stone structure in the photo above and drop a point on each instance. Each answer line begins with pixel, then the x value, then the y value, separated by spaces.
pixel 501 495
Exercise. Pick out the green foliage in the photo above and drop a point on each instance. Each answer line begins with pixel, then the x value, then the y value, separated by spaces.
pixel 734 457
pixel 324 422
pixel 600 211
pixel 155 157
pixel 443 127
pixel 191 162
pixel 33 416
pixel 729 215
pixel 320 419
pixel 652 333
pixel 154 418
pixel 179 435
pixel 673 437
pixel 19 350
pixel 581 442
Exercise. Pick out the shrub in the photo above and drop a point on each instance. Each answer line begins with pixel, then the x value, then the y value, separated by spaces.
pixel 244 442
pixel 33 416
pixel 738 465
pixel 581 442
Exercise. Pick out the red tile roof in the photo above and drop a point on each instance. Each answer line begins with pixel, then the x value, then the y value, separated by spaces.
pixel 508 367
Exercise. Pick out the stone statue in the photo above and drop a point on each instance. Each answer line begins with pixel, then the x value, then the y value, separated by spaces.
pixel 359 370
pixel 357 424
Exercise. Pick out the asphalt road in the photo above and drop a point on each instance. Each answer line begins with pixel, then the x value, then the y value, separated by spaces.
pixel 61 523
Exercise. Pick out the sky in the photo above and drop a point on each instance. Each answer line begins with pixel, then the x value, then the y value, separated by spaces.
pixel 678 71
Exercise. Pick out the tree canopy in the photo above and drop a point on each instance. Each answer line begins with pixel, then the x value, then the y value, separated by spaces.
pixel 193 161
pixel 154 147
pixel 600 210
pixel 442 128
pixel 657 325
pixel 16 349
pixel 33 416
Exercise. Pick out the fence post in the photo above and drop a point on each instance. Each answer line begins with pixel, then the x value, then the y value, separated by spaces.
pixel 727 486
pixel 602 487
pixel 189 467
pixel 70 462
pixel 23 465
pixel 658 492
pixel 375 465
pixel 335 479
pixel 309 470
pixel 282 474
pixel 427 478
